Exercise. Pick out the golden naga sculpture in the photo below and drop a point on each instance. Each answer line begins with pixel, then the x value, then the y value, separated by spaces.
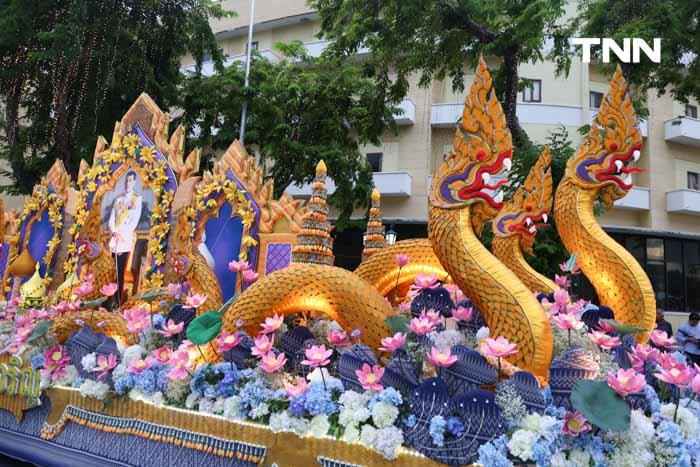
pixel 517 222
pixel 381 270
pixel 600 168
pixel 459 206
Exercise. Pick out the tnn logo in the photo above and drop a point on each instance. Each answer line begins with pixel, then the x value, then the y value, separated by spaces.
pixel 628 53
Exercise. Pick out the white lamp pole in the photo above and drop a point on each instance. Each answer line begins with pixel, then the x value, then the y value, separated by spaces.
pixel 244 112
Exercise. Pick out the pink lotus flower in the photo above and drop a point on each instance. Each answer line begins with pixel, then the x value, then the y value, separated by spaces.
pixel 23 333
pixel 181 364
pixel 575 424
pixel 84 289
pixel 421 326
pixel 679 376
pixel 433 316
pixel 401 260
pixel 643 353
pixel 392 344
pixel 603 340
pixel 317 356
pixel 567 322
pixel 173 289
pixel 695 384
pixel 109 289
pixel 462 313
pixel 271 362
pixel 562 281
pixel 661 339
pixel 336 337
pixel 606 328
pixel 137 325
pixel 272 324
pixel 369 377
pixel 163 354
pixel 237 266
pixel 136 313
pixel 499 347
pixel 195 300
pixel 227 341
pixel 249 275
pixel 263 345
pixel 425 281
pixel 668 361
pixel 296 389
pixel 575 270
pixel 626 382
pixel 561 301
pixel 137 365
pixel 172 329
pixel 104 365
pixel 21 321
pixel 40 313
pixel 441 358
pixel 55 360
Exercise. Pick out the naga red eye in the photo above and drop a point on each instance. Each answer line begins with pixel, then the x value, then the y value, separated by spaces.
pixel 613 146
pixel 481 155
pixel 528 208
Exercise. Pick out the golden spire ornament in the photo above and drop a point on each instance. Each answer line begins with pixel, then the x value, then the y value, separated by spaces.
pixel 374 239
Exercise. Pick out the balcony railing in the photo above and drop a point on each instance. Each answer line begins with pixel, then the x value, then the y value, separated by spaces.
pixel 636 200
pixel 683 130
pixel 446 115
pixel 683 202
pixel 408 116
pixel 390 184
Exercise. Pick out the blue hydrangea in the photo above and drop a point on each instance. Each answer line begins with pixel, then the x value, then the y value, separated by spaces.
pixel 318 401
pixel 455 426
pixel 158 321
pixel 296 405
pixel 652 399
pixel 162 378
pixel 253 394
pixel 389 396
pixel 672 436
pixel 77 382
pixel 554 411
pixel 410 421
pixel 38 361
pixel 494 453
pixel 437 430
pixel 123 384
pixel 547 394
pixel 542 453
pixel 146 381
pixel 231 377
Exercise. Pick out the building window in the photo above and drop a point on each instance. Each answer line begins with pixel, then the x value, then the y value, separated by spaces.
pixel 595 99
pixel 691 262
pixel 693 181
pixel 253 44
pixel 656 269
pixel 675 293
pixel 533 91
pixel 375 161
pixel 691 111
pixel 207 56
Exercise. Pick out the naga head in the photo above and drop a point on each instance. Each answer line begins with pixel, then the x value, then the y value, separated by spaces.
pixel 529 208
pixel 482 147
pixel 614 142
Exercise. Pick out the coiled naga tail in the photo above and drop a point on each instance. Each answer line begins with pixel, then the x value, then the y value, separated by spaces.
pixel 459 206
pixel 517 222
pixel 600 168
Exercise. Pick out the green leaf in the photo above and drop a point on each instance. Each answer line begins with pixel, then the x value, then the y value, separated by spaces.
pixel 601 405
pixel 570 263
pixel 623 328
pixel 204 328
pixel 150 296
pixel 397 323
pixel 40 330
pixel 228 303
pixel 94 303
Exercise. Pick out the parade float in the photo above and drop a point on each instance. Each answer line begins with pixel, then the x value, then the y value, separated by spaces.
pixel 158 317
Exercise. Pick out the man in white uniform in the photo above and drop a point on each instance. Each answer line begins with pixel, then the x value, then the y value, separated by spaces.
pixel 125 215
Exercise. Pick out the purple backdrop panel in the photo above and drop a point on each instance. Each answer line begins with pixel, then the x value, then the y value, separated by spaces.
pixel 279 256
pixel 4 256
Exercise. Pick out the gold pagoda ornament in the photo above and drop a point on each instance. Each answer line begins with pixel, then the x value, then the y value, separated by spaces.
pixel 33 292
pixel 314 243
pixel 374 239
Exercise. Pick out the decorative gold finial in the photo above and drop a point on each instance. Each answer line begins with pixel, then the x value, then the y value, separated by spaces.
pixel 376 196
pixel 321 167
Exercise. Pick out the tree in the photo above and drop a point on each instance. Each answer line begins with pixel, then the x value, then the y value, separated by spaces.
pixel 676 22
pixel 434 38
pixel 70 68
pixel 300 110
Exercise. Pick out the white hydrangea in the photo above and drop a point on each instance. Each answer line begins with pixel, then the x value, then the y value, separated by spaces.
pixel 178 389
pixel 576 458
pixel 368 436
pixel 283 421
pixel 540 424
pixel 353 408
pixel 206 405
pixel 71 374
pixel 191 400
pixel 384 414
pixel 388 442
pixel 520 444
pixel 232 407
pixel 135 394
pixel 317 377
pixel 685 418
pixel 447 339
pixel 260 410
pixel 131 352
pixel 96 389
pixel 630 458
pixel 482 333
pixel 157 399
pixel 89 361
pixel 119 370
pixel 318 426
pixel 351 434
pixel 641 432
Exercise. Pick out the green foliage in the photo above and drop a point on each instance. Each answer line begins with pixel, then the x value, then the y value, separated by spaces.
pixel 204 328
pixel 94 303
pixel 150 296
pixel 397 323
pixel 674 21
pixel 70 68
pixel 623 328
pixel 40 330
pixel 601 405
pixel 432 39
pixel 300 110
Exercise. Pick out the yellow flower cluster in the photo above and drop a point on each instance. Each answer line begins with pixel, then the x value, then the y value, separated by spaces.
pixel 40 200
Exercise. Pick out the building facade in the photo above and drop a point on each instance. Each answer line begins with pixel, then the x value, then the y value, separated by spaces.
pixel 659 220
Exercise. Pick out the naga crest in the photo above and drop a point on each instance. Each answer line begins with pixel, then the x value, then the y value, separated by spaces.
pixel 529 208
pixel 482 147
pixel 613 142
